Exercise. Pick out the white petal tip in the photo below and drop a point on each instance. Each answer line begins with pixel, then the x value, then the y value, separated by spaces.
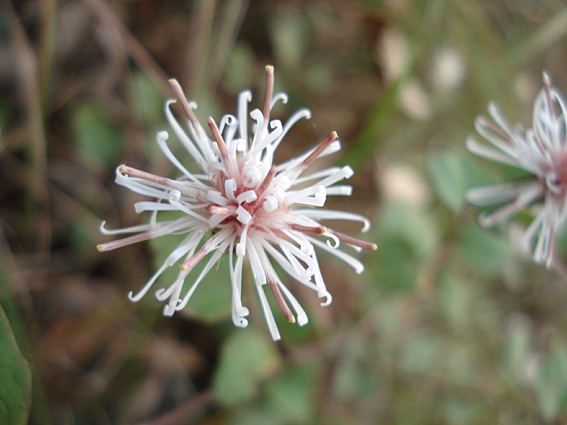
pixel 168 311
pixel 328 300
pixel 240 322
pixel 162 135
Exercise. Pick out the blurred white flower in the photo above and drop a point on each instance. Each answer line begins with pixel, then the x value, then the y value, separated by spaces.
pixel 402 183
pixel 243 205
pixel 541 151
pixel 415 101
pixel 394 54
pixel 448 70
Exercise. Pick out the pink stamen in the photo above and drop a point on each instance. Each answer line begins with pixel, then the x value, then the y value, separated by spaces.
pixel 268 94
pixel 192 261
pixel 132 172
pixel 319 150
pixel 496 130
pixel 266 183
pixel 547 91
pixel 220 141
pixel 119 243
pixel 369 246
pixel 281 301
pixel 184 103
pixel 319 230
pixel 217 210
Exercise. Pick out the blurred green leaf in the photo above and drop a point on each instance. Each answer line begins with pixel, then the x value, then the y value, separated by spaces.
pixel 518 346
pixel 411 225
pixel 99 140
pixel 351 380
pixel 145 98
pixel 239 72
pixel 448 180
pixel 395 266
pixel 459 411
pixel 551 387
pixel 5 114
pixel 376 123
pixel 405 236
pixel 425 353
pixel 289 35
pixel 213 299
pixel 247 359
pixel 456 300
pixel 256 416
pixel 291 394
pixel 15 378
pixel 549 33
pixel 451 175
pixel 483 249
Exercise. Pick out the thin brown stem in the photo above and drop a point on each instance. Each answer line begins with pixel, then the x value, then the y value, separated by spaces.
pixel 187 413
pixel 136 50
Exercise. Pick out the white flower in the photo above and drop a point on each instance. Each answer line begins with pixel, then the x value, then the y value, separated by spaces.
pixel 540 150
pixel 248 207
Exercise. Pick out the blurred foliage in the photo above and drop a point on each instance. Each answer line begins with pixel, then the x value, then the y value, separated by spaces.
pixel 15 391
pixel 450 323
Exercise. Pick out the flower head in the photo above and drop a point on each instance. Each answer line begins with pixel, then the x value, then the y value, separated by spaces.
pixel 243 205
pixel 540 150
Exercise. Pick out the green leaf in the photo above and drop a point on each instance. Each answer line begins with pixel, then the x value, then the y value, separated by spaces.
pixel 99 140
pixel 15 378
pixel 405 237
pixel 289 35
pixel 395 267
pixel 247 359
pixel 457 411
pixel 239 72
pixel 256 416
pixel 413 226
pixel 376 124
pixel 483 249
pixel 551 388
pixel 423 353
pixel 457 301
pixel 213 299
pixel 451 176
pixel 291 394
pixel 518 347
pixel 351 380
pixel 145 98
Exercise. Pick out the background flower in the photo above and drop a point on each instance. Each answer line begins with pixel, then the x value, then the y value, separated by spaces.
pixel 541 151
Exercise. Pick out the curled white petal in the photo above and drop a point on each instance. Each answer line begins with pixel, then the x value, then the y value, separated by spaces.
pixel 243 216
